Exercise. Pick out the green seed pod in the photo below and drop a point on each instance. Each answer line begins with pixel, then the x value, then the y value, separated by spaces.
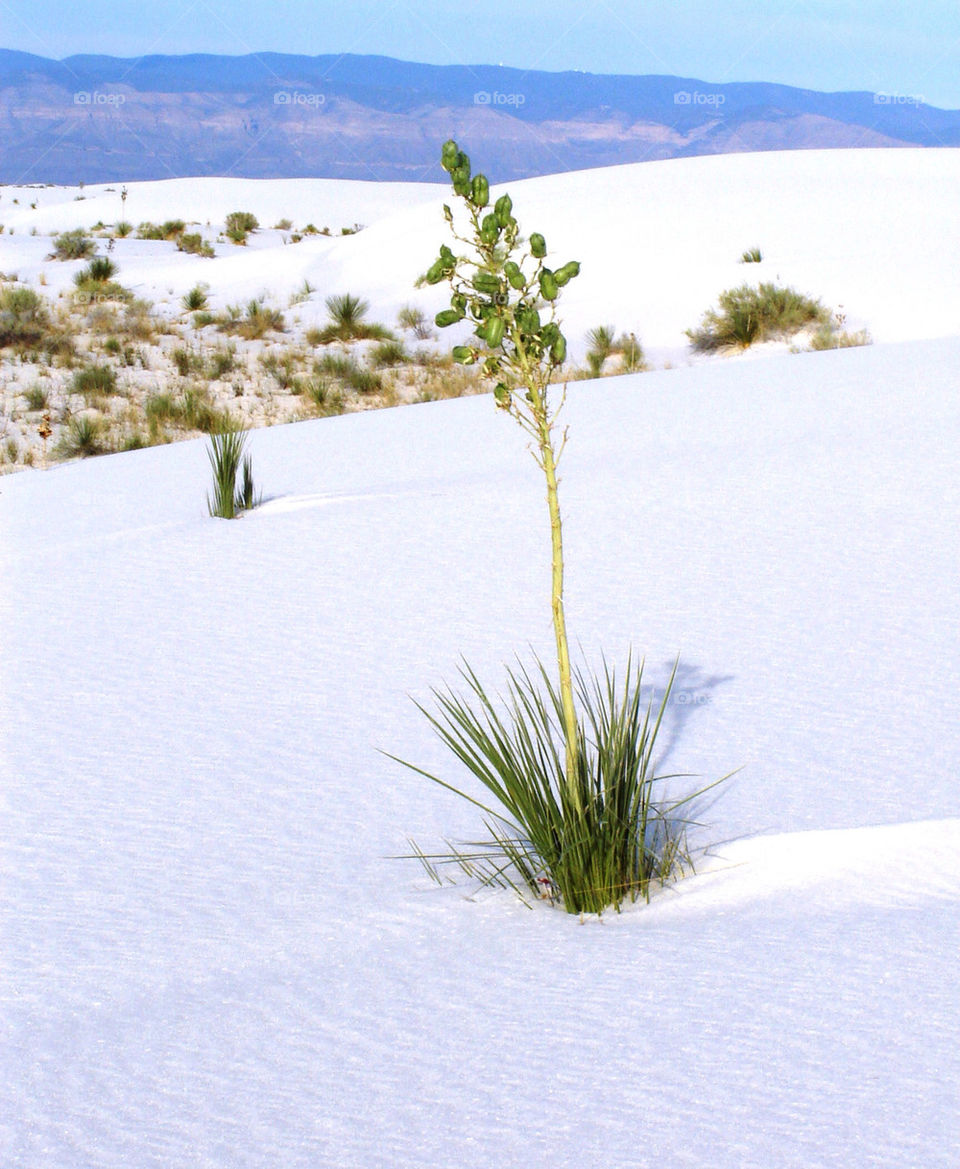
pixel 489 229
pixel 435 272
pixel 558 350
pixel 459 302
pixel 448 316
pixel 492 367
pixel 502 209
pixel 463 163
pixel 538 246
pixel 494 332
pixel 548 285
pixel 480 196
pixel 464 355
pixel 550 332
pixel 487 283
pixel 447 213
pixel 567 272
pixel 529 321
pixel 501 394
pixel 512 272
pixel 449 155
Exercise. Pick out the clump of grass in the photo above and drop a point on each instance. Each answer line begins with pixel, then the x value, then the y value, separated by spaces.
pixel 94 380
pixel 348 322
pixel 258 320
pixel 185 360
pixel 238 226
pixel 747 315
pixel 387 353
pixel 221 362
pixel 283 225
pixel 38 397
pixel 196 298
pixel 123 229
pixel 751 256
pixel 832 335
pixel 82 437
pixel 201 320
pixel 303 294
pixel 228 461
pixel 603 343
pixel 72 245
pixel 610 840
pixel 281 367
pixel 95 281
pixel 352 374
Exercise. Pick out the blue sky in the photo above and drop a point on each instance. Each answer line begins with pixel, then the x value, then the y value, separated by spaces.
pixel 890 46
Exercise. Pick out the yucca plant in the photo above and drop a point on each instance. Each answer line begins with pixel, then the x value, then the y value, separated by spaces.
pixel 569 760
pixel 228 460
pixel 348 321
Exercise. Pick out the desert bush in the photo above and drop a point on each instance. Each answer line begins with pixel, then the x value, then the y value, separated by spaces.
pixel 303 294
pixel 201 320
pixel 244 220
pixel 37 396
pixel 747 315
pixel 632 357
pixel 94 380
pixel 348 322
pixel 414 320
pixel 72 245
pixel 123 229
pixel 751 256
pixel 95 282
pixel 832 335
pixel 568 763
pixel 186 360
pixel 281 366
pixel 601 340
pixel 228 461
pixel 283 225
pixel 194 244
pixel 24 319
pixel 221 362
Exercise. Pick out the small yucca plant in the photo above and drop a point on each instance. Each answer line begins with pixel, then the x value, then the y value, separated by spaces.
pixel 228 460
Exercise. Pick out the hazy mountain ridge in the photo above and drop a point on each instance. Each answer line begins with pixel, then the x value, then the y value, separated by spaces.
pixel 97 119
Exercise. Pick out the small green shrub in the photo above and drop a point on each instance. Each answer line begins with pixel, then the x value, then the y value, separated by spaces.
pixel 243 221
pixel 747 315
pixel 123 229
pixel 81 437
pixel 221 362
pixel 348 371
pixel 194 244
pixel 387 353
pixel 72 245
pixel 195 299
pixel 260 319
pixel 38 397
pixel 751 256
pixel 283 225
pixel 201 320
pixel 170 230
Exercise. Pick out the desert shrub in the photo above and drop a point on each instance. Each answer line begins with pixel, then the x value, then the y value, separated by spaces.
pixel 747 315
pixel 185 360
pixel 351 230
pixel 414 320
pixel 138 320
pixel 194 244
pixel 228 461
pixel 244 220
pixel 348 321
pixel 123 229
pixel 281 366
pixel 24 319
pixel 95 282
pixel 82 437
pixel 832 335
pixel 601 340
pixel 72 245
pixel 170 230
pixel 751 256
pixel 303 294
pixel 283 225
pixel 568 763
pixel 94 380
pixel 196 298
pixel 632 357
pixel 201 320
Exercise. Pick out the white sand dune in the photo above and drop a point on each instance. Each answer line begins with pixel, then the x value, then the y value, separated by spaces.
pixel 871 232
pixel 209 956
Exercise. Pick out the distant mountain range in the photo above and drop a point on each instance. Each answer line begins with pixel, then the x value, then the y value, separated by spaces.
pixel 102 119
